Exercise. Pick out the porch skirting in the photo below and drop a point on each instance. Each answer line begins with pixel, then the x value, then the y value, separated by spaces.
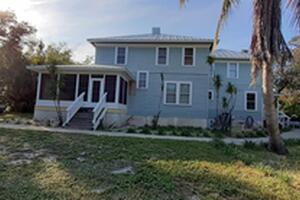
pixel 116 117
pixel 168 121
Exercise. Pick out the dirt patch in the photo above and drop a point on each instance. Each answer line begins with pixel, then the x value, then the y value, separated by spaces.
pixel 26 155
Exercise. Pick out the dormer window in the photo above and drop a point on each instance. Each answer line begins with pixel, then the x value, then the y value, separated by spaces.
pixel 162 56
pixel 121 55
pixel 188 56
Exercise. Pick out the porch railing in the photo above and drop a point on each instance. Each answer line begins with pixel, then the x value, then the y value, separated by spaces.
pixel 99 111
pixel 73 108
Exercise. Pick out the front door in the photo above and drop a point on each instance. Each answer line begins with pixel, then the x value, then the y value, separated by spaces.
pixel 96 90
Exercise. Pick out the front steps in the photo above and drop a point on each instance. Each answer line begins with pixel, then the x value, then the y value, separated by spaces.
pixel 82 120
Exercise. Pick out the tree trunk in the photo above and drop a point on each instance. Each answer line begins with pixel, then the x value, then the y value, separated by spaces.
pixel 276 143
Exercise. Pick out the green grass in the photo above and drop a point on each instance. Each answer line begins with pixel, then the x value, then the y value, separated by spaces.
pixel 162 169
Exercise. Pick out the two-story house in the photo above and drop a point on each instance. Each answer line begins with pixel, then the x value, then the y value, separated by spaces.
pixel 137 77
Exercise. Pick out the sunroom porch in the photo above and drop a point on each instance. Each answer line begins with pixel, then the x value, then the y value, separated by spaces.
pixel 100 89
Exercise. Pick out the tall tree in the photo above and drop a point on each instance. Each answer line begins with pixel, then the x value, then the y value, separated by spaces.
pixel 14 39
pixel 267 48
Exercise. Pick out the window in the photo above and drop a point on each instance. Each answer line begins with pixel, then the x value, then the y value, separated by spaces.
pixel 210 95
pixel 142 79
pixel 178 93
pixel 250 101
pixel 121 55
pixel 110 87
pixel 68 88
pixel 188 56
pixel 232 70
pixel 171 93
pixel 162 56
pixel 46 90
pixel 83 85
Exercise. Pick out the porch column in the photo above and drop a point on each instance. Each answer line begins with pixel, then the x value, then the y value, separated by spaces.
pixel 117 89
pixel 77 86
pixel 39 78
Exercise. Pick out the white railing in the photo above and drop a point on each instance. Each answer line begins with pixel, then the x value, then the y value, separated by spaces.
pixel 73 108
pixel 99 111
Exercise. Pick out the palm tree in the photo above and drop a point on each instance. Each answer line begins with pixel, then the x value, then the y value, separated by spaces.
pixel 268 47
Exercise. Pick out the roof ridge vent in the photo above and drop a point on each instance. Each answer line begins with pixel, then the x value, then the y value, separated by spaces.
pixel 156 30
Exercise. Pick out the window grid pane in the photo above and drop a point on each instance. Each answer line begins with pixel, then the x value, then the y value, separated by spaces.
pixel 189 56
pixel 121 53
pixel 171 93
pixel 142 80
pixel 184 97
pixel 162 56
pixel 251 104
pixel 232 70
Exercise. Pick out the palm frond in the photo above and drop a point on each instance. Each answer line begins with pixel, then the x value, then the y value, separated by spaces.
pixel 226 9
pixel 295 6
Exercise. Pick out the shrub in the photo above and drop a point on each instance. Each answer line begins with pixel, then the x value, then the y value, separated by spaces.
pixel 131 130
pixel 249 145
pixel 146 130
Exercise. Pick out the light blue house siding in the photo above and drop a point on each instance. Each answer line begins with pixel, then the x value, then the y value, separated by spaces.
pixel 243 84
pixel 146 102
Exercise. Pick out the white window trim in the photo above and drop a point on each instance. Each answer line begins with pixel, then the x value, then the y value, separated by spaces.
pixel 116 55
pixel 194 56
pixel 138 80
pixel 156 56
pixel 177 93
pixel 212 95
pixel 245 101
pixel 237 70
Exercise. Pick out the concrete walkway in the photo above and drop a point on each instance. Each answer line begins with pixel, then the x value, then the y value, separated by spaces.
pixel 294 134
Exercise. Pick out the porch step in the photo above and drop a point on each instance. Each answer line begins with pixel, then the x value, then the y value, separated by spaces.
pixel 82 120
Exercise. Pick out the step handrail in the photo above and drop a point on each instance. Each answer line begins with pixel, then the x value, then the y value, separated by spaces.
pixel 100 109
pixel 73 108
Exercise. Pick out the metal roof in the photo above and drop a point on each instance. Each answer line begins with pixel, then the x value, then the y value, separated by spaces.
pixel 85 68
pixel 155 37
pixel 229 54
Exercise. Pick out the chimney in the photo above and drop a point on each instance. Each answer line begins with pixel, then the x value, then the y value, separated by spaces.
pixel 156 30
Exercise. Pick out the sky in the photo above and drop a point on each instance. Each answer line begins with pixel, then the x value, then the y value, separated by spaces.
pixel 74 21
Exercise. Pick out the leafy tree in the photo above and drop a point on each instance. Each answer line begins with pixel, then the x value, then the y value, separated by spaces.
pixel 17 84
pixel 56 83
pixel 267 48
pixel 53 54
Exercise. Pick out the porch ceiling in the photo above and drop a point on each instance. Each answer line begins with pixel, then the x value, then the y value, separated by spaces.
pixel 86 69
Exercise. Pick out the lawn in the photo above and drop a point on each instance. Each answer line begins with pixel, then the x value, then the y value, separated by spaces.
pixel 40 165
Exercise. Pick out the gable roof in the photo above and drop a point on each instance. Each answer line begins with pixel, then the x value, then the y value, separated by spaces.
pixel 225 54
pixel 155 37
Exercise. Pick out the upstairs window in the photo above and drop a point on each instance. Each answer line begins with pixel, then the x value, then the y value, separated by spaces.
pixel 162 54
pixel 142 79
pixel 251 101
pixel 188 56
pixel 178 93
pixel 233 70
pixel 121 56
